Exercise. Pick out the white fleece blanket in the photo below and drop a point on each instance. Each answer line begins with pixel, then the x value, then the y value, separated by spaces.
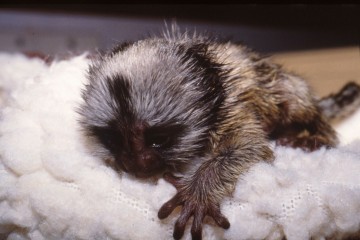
pixel 52 188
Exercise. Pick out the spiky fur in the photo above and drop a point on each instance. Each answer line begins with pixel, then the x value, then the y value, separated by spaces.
pixel 230 101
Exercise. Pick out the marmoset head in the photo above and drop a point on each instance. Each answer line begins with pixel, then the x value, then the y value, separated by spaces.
pixel 151 104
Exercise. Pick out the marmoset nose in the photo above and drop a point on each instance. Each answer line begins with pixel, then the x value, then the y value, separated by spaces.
pixel 148 164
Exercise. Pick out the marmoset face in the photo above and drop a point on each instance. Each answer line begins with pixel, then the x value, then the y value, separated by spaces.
pixel 151 104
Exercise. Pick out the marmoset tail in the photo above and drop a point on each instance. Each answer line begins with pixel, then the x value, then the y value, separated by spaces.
pixel 164 103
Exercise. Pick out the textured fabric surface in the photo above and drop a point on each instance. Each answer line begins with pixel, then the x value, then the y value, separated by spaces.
pixel 51 187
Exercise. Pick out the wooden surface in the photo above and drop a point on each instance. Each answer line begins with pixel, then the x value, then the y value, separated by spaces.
pixel 327 70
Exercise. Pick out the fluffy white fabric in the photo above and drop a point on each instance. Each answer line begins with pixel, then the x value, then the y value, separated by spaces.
pixel 52 188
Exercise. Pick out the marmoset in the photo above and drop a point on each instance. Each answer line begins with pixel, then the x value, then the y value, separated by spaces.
pixel 163 103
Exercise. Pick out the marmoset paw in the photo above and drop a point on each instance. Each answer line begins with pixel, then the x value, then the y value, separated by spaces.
pixel 192 206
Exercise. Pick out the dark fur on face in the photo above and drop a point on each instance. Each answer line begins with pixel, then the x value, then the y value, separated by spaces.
pixel 164 103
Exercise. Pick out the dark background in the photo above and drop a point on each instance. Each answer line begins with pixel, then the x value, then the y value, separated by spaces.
pixel 308 16
pixel 267 28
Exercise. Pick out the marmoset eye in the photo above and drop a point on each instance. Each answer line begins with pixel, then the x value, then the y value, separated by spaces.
pixel 107 136
pixel 163 136
pixel 158 141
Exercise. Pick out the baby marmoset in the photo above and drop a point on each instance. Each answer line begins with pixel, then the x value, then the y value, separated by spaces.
pixel 165 102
